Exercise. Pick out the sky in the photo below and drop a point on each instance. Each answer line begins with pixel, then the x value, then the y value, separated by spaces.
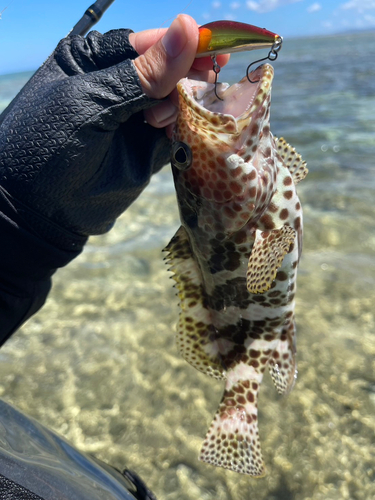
pixel 30 29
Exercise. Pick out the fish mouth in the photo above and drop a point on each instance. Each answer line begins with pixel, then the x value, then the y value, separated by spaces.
pixel 233 105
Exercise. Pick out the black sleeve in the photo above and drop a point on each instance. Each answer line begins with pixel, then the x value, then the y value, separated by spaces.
pixel 75 152
pixel 27 263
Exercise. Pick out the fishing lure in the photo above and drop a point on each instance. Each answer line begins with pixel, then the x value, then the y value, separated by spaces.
pixel 226 37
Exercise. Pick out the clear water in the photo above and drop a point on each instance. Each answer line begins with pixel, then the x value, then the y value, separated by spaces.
pixel 99 363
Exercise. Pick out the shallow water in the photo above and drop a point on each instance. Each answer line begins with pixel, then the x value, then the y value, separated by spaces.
pixel 99 364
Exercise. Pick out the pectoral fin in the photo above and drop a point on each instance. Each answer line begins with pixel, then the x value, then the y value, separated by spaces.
pixel 266 257
pixel 292 160
pixel 195 330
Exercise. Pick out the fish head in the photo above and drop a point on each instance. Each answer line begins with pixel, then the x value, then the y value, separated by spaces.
pixel 223 153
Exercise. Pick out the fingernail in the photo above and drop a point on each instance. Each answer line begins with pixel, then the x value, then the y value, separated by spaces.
pixel 163 111
pixel 175 39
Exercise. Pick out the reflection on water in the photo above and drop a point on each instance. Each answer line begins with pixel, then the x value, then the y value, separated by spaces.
pixel 99 363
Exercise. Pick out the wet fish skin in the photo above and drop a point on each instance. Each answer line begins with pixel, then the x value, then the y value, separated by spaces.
pixel 235 255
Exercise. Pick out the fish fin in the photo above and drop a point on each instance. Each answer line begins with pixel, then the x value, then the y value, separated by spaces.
pixel 282 364
pixel 266 257
pixel 194 331
pixel 292 160
pixel 232 441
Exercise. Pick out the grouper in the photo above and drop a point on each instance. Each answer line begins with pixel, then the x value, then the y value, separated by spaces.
pixel 235 256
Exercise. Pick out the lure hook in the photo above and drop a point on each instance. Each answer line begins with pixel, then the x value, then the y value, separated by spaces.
pixel 272 56
pixel 216 69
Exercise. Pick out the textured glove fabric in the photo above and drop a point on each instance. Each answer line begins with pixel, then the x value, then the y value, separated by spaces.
pixel 74 146
pixel 75 152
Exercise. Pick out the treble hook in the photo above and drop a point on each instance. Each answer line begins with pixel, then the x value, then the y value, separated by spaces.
pixel 272 56
pixel 216 69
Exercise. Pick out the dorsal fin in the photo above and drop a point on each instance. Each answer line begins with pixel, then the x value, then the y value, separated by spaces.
pixel 292 160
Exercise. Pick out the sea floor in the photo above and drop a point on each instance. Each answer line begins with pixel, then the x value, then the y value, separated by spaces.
pixel 99 365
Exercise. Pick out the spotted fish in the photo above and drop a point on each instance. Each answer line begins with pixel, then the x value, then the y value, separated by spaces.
pixel 236 253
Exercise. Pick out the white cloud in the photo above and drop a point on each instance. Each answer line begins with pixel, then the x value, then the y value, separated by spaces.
pixel 267 5
pixel 235 5
pixel 252 5
pixel 216 5
pixel 360 5
pixel 348 5
pixel 314 8
pixel 358 13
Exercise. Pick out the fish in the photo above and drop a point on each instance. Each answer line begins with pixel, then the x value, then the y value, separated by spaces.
pixel 234 259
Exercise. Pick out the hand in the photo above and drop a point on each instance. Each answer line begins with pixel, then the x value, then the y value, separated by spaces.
pixel 74 145
pixel 166 56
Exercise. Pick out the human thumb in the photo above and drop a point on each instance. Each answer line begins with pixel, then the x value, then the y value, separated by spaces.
pixel 169 59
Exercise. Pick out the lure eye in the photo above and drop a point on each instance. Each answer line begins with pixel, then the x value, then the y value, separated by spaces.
pixel 181 156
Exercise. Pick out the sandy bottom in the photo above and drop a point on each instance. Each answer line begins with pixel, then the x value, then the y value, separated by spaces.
pixel 99 365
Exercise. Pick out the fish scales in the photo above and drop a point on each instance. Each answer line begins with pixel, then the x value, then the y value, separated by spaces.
pixel 235 256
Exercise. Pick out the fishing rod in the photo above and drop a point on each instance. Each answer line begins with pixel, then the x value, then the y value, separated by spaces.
pixel 90 17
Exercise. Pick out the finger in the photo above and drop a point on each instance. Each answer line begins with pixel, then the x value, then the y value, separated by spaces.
pixel 169 59
pixel 143 40
pixel 203 63
pixel 165 113
pixel 162 114
pixel 203 76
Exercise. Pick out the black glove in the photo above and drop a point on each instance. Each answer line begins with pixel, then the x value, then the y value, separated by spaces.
pixel 74 146
pixel 75 152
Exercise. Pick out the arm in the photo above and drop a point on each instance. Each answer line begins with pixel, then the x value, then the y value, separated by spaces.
pixel 76 151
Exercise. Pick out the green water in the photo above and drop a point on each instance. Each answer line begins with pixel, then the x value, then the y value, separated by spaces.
pixel 99 364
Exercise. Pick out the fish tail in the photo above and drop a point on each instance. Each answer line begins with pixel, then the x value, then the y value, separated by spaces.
pixel 232 441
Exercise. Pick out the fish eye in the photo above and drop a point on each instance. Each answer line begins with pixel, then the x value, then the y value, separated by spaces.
pixel 181 157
